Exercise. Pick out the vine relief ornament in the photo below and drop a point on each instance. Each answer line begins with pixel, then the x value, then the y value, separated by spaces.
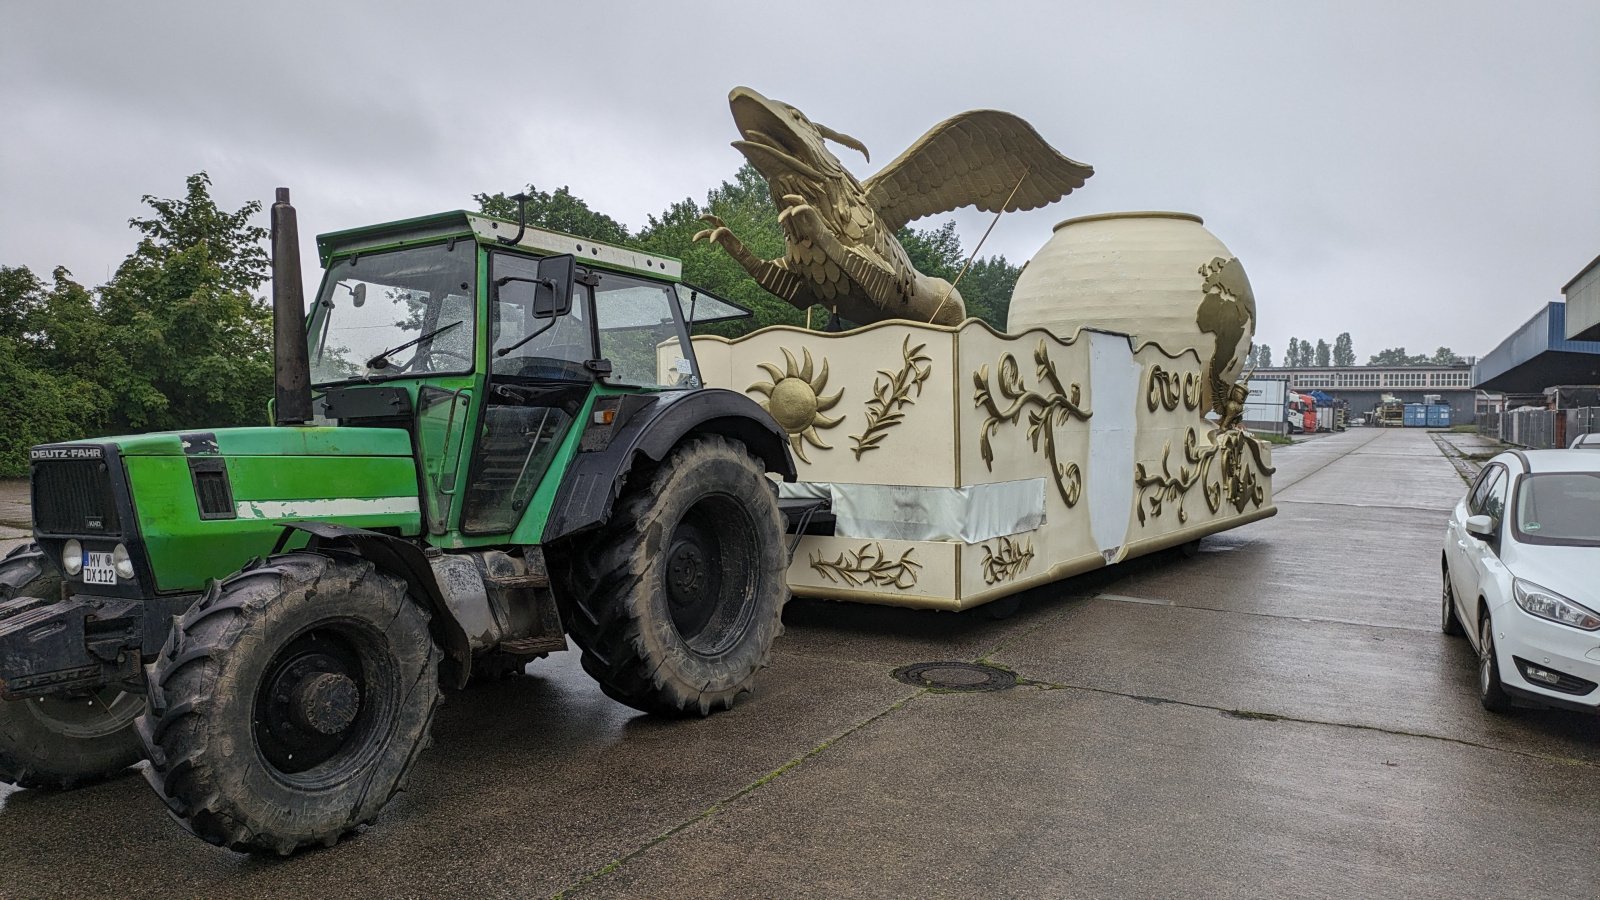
pixel 1049 408
pixel 892 393
pixel 796 400
pixel 1168 389
pixel 869 565
pixel 1220 468
pixel 1006 560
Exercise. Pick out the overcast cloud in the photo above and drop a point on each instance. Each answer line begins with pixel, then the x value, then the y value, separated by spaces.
pixel 1416 173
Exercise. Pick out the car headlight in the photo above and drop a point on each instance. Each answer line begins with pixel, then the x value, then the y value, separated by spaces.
pixel 1547 604
pixel 72 557
pixel 123 562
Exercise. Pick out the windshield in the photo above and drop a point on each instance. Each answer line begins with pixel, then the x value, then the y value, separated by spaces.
pixel 383 301
pixel 1559 507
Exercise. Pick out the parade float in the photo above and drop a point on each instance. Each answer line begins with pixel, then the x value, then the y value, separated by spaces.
pixel 960 464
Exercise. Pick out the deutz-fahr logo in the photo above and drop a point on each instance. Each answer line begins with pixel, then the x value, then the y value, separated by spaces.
pixel 65 453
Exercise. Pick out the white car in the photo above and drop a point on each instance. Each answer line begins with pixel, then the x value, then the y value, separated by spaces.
pixel 1522 579
pixel 1590 441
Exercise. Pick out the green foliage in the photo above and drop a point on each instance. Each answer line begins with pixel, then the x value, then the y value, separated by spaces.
pixel 174 340
pixel 1291 357
pixel 745 206
pixel 1344 353
pixel 987 285
pixel 559 211
pixel 1324 353
pixel 1397 356
pixel 1263 357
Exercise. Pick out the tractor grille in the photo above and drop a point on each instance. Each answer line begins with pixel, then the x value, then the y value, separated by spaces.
pixel 73 496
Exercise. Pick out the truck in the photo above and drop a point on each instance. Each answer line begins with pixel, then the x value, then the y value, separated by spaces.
pixel 486 437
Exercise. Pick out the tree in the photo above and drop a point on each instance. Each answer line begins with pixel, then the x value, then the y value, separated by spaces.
pixel 1291 358
pixel 1263 359
pixel 1324 353
pixel 559 211
pixel 1344 353
pixel 1308 354
pixel 745 205
pixel 1444 356
pixel 179 314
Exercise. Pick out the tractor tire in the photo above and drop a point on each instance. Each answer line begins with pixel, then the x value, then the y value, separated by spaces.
pixel 61 741
pixel 290 703
pixel 676 603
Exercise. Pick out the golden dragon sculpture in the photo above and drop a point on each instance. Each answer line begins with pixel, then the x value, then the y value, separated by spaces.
pixel 839 233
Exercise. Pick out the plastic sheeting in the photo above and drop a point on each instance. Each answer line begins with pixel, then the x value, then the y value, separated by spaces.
pixel 970 514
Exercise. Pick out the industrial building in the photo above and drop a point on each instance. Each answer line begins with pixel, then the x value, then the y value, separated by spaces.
pixel 1363 387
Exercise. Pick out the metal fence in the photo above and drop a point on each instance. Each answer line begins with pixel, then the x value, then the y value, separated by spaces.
pixel 1540 429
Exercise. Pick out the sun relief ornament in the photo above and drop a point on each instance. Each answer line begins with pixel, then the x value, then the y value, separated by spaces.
pixel 795 399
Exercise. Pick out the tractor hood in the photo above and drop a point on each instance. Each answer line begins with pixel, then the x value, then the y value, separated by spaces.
pixel 194 505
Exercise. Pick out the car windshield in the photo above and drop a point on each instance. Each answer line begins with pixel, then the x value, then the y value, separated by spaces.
pixel 381 301
pixel 1562 507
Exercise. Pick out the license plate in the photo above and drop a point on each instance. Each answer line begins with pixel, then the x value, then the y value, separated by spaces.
pixel 98 568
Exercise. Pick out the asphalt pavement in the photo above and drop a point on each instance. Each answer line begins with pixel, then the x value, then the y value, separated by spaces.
pixel 1277 717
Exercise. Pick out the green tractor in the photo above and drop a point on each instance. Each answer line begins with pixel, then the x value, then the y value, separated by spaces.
pixel 486 438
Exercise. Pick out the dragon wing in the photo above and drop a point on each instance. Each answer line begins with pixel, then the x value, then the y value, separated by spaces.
pixel 973 159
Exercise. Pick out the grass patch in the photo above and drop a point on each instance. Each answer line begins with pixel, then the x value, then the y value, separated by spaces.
pixel 1270 438
pixel 1463 429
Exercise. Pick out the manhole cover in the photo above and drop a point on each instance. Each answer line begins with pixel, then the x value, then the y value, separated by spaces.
pixel 956 676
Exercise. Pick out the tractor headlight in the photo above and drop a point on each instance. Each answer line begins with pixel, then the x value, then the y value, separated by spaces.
pixel 1547 604
pixel 72 557
pixel 122 561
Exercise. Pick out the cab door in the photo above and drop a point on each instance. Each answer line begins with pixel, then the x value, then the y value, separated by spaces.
pixel 541 367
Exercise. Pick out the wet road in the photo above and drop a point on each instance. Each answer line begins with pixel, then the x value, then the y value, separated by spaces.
pixel 1279 716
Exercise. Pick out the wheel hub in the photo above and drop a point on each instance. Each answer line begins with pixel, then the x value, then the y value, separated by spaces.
pixel 325 703
pixel 709 572
pixel 686 569
pixel 310 703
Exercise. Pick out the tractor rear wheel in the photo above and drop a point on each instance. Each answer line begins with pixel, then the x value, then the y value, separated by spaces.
pixel 62 740
pixel 677 602
pixel 290 703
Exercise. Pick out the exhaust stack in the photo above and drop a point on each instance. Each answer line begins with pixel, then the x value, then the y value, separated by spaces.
pixel 291 361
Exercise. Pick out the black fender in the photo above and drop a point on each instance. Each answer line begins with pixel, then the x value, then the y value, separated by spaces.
pixel 401 558
pixel 596 476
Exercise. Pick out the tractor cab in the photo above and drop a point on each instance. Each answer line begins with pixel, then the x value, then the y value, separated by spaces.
pixel 489 342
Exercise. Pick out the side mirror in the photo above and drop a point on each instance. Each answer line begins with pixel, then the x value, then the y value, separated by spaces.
pixel 549 295
pixel 358 297
pixel 1480 525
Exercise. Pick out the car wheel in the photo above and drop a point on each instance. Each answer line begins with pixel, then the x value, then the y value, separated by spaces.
pixel 1449 622
pixel 1491 693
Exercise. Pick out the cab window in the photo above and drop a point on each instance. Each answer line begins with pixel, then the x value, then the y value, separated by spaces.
pixel 545 348
pixel 639 332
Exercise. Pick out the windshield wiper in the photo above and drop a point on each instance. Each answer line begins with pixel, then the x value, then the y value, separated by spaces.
pixel 381 361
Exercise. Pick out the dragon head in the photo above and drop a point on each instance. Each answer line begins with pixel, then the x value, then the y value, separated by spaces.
pixel 788 149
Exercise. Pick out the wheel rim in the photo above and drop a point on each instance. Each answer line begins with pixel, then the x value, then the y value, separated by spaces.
pixel 710 573
pixel 86 716
pixel 1485 657
pixel 1447 601
pixel 323 704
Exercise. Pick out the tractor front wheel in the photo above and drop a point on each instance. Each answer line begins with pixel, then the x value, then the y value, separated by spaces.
pixel 290 703
pixel 677 602
pixel 62 740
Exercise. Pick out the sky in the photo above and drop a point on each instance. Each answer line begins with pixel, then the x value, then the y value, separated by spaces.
pixel 1416 173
